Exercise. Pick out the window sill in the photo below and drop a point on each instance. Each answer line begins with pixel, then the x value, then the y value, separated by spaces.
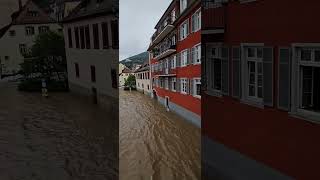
pixel 252 103
pixel 306 115
pixel 214 93
pixel 197 96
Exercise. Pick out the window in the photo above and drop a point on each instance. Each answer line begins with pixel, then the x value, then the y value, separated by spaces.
pixel 196 21
pixel 173 84
pixel 105 37
pixel 161 82
pixel 184 85
pixel 197 87
pixel 166 85
pixel 196 54
pixel 70 37
pixel 183 5
pixel 184 58
pixel 310 79
pixel 148 87
pixel 173 62
pixel 29 30
pixel 76 66
pixel 255 72
pixel 33 13
pixel 23 49
pixel 115 34
pixel 82 38
pixel 6 57
pixel 96 36
pixel 93 73
pixel 12 33
pixel 87 33
pixel 43 29
pixel 76 34
pixel 184 30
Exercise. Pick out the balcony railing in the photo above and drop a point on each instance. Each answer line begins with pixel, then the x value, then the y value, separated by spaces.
pixel 165 51
pixel 163 30
pixel 214 17
pixel 164 68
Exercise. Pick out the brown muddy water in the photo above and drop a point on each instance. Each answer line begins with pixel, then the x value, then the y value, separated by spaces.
pixel 63 137
pixel 156 144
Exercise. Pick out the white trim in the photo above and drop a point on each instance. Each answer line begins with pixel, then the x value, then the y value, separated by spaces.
pixel 195 88
pixel 196 63
pixel 213 31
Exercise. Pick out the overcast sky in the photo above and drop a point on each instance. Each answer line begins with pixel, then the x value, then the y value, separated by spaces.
pixel 137 21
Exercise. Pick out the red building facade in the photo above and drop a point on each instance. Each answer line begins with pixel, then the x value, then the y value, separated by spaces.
pixel 261 97
pixel 175 59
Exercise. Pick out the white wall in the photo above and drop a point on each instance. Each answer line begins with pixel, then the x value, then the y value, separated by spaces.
pixel 103 59
pixel 122 78
pixel 9 46
pixel 142 84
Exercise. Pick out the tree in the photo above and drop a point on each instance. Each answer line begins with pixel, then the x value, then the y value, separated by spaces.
pixel 130 82
pixel 47 56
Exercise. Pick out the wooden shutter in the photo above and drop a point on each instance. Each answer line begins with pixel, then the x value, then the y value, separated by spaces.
pixel 236 72
pixel 225 71
pixel 268 76
pixel 193 53
pixel 284 79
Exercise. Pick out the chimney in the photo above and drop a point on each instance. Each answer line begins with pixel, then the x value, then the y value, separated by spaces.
pixel 20 5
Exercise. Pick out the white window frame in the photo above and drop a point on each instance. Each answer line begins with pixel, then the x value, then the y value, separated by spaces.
pixel 184 58
pixel 174 84
pixel 196 81
pixel 174 62
pixel 296 79
pixel 30 30
pixel 257 102
pixel 183 88
pixel 196 57
pixel 196 21
pixel 184 30
pixel 211 83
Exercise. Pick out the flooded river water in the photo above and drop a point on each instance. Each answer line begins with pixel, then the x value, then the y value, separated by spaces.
pixel 63 137
pixel 155 144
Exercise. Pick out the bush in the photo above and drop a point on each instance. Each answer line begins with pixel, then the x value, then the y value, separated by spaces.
pixel 35 85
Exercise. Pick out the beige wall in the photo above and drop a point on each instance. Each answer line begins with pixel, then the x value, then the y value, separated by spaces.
pixel 9 46
pixel 103 59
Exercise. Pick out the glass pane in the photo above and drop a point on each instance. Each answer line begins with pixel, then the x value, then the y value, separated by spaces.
pixel 260 80
pixel 307 87
pixel 198 89
pixel 252 90
pixel 306 55
pixel 260 92
pixel 259 52
pixel 260 68
pixel 317 55
pixel 252 79
pixel 251 52
pixel 217 74
pixel 252 67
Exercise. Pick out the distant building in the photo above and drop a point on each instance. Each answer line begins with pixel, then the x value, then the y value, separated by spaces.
pixel 18 37
pixel 92 49
pixel 175 60
pixel 143 82
pixel 124 76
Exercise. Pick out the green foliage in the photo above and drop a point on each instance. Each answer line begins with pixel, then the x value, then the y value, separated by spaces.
pixel 130 81
pixel 47 57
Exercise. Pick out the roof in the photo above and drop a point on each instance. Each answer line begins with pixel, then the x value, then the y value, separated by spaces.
pixel 126 70
pixel 22 16
pixel 4 30
pixel 89 8
pixel 144 67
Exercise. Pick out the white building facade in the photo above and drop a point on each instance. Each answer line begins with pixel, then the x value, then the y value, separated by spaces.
pixel 18 37
pixel 92 54
pixel 143 81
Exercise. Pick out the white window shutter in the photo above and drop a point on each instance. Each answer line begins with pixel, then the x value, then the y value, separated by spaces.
pixel 284 79
pixel 193 53
pixel 268 76
pixel 236 72
pixel 178 60
pixel 178 84
pixel 225 71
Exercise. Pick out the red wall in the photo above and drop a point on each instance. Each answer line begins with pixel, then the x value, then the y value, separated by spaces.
pixel 268 135
pixel 191 71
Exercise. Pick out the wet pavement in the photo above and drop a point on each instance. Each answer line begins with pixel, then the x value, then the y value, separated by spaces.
pixel 62 137
pixel 155 144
